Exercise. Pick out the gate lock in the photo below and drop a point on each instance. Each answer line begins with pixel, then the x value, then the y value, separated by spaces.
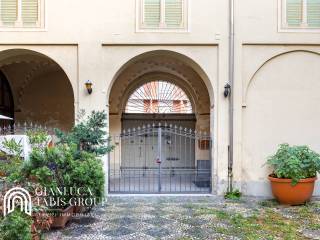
pixel 158 160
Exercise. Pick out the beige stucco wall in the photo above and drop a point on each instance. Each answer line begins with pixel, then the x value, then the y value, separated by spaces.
pixel 94 41
pixel 280 105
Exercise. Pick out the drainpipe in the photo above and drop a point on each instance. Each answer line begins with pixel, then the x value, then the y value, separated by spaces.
pixel 231 96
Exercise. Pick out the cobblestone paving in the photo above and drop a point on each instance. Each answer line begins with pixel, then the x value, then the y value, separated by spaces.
pixel 180 218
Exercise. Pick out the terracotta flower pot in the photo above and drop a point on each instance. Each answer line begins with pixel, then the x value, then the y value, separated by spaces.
pixel 3 174
pixel 286 193
pixel 62 216
pixel 35 234
pixel 33 178
pixel 79 209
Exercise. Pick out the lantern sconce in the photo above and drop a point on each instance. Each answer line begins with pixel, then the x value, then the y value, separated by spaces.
pixel 227 90
pixel 88 85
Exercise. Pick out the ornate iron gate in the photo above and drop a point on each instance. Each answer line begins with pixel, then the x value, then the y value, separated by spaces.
pixel 160 159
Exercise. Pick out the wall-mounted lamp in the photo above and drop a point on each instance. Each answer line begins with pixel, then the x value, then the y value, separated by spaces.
pixel 89 86
pixel 227 90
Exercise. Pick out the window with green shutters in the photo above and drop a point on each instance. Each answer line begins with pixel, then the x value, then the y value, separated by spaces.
pixel 163 14
pixel 29 12
pixel 302 13
pixel 9 12
pixel 173 13
pixel 21 13
pixel 152 13
pixel 294 12
pixel 313 13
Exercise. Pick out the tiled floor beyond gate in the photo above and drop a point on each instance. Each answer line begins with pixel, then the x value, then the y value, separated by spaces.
pixel 191 218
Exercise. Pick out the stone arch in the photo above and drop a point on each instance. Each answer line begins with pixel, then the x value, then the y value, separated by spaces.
pixel 171 66
pixel 246 89
pixel 184 59
pixel 33 75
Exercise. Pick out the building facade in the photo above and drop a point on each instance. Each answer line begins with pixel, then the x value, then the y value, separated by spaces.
pixel 167 62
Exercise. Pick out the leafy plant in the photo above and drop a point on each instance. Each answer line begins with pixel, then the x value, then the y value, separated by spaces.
pixel 88 134
pixel 233 195
pixel 88 174
pixel 294 162
pixel 12 166
pixel 16 225
pixel 41 219
pixel 43 175
pixel 38 138
pixel 51 166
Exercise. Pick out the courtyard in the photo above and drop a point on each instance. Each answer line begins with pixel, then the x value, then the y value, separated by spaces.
pixel 201 217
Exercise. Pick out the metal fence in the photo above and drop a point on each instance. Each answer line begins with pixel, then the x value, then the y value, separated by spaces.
pixel 23 128
pixel 160 159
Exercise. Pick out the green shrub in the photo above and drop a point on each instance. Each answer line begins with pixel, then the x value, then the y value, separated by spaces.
pixel 17 226
pixel 57 167
pixel 73 162
pixel 88 134
pixel 13 165
pixel 38 138
pixel 294 162
pixel 233 195
pixel 87 172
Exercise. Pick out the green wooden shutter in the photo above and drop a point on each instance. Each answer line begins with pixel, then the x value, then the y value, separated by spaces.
pixel 152 13
pixel 313 13
pixel 9 12
pixel 29 12
pixel 173 13
pixel 294 12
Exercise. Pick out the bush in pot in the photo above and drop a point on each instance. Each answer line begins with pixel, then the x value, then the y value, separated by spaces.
pixel 88 134
pixel 87 174
pixel 50 166
pixel 90 143
pixel 294 173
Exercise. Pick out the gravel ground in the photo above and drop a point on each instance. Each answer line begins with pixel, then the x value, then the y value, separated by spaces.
pixel 193 218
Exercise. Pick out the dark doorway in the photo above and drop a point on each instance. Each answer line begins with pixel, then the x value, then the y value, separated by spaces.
pixel 6 100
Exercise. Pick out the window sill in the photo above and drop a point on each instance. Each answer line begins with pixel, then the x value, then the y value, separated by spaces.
pixel 162 30
pixel 23 29
pixel 299 30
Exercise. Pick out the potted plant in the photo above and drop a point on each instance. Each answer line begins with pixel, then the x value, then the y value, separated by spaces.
pixel 87 174
pixel 51 167
pixel 41 221
pixel 61 216
pixel 89 143
pixel 294 173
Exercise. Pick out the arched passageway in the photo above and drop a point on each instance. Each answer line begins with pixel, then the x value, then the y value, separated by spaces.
pixel 160 122
pixel 40 89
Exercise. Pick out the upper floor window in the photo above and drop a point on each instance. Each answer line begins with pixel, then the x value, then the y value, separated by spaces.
pixel 301 14
pixel 21 13
pixel 163 14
